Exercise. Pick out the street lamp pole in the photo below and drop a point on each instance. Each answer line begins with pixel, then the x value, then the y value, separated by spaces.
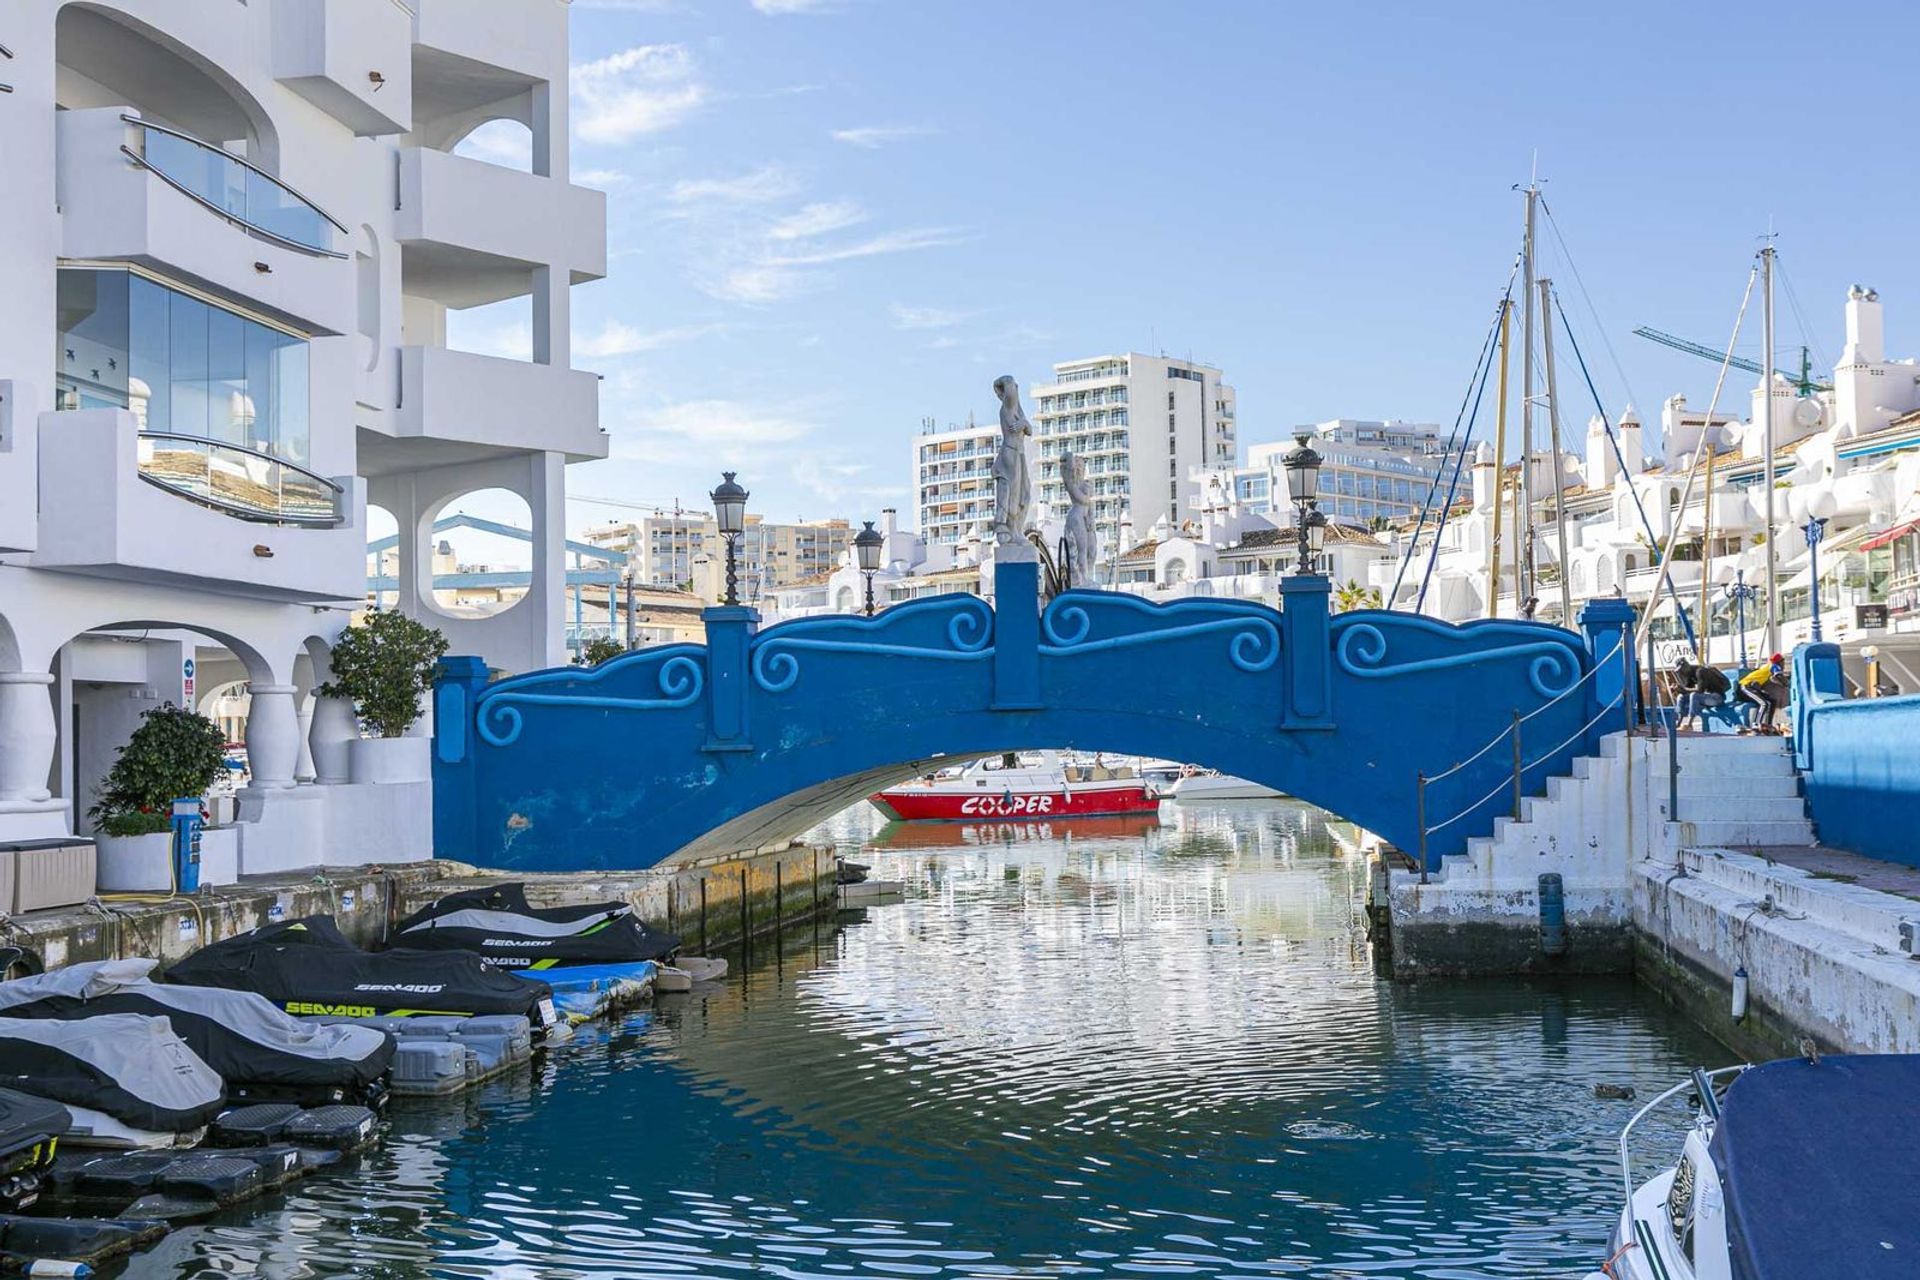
pixel 868 546
pixel 730 512
pixel 1741 594
pixel 1302 465
pixel 1816 528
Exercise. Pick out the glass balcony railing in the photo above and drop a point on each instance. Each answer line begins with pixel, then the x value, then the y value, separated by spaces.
pixel 241 192
pixel 239 481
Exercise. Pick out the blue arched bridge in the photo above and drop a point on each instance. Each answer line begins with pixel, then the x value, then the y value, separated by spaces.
pixel 684 751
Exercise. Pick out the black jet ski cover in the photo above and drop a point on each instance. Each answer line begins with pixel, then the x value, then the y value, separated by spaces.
pixel 30 1129
pixel 240 1034
pixel 133 1068
pixel 497 922
pixel 307 967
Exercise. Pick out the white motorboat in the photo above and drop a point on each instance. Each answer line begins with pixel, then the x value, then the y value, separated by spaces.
pixel 1202 785
pixel 1796 1168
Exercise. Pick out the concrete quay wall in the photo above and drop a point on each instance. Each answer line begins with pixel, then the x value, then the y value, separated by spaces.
pixel 744 895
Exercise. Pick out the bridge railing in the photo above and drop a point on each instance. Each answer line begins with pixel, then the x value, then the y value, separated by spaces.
pixel 1608 668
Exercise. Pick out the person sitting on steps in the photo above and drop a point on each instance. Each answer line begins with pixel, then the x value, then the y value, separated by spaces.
pixel 1766 688
pixel 1701 687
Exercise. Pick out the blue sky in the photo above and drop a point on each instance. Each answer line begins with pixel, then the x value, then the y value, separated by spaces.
pixel 829 219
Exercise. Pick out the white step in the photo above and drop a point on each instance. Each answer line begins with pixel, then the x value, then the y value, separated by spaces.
pixel 1745 809
pixel 1734 786
pixel 1743 834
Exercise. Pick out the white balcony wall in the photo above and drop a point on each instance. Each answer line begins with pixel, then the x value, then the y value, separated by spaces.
pixel 351 58
pixel 475 230
pixel 510 404
pixel 98 516
pixel 113 209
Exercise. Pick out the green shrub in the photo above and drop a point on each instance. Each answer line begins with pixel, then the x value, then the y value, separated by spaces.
pixel 173 753
pixel 383 666
pixel 595 652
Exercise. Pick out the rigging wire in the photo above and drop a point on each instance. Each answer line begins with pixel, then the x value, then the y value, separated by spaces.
pixel 1806 330
pixel 1653 539
pixel 1553 224
pixel 1433 486
pixel 1459 461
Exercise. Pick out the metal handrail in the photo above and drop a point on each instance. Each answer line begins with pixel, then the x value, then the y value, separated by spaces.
pixel 262 514
pixel 1626 1156
pixel 244 163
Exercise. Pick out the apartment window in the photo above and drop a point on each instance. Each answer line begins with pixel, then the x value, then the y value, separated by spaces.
pixel 1169 422
pixel 180 365
pixel 1169 395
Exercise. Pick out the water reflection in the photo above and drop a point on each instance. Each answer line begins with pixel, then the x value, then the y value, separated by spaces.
pixel 1070 1052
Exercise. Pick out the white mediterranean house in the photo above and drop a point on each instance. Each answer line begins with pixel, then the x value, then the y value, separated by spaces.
pixel 231 234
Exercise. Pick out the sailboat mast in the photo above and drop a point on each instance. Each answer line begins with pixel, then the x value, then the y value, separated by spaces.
pixel 1499 466
pixel 1559 468
pixel 1766 440
pixel 1523 589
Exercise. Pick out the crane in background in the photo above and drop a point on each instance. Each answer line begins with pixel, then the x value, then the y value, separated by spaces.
pixel 1804 384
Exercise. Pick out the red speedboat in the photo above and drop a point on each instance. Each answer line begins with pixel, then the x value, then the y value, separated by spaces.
pixel 986 790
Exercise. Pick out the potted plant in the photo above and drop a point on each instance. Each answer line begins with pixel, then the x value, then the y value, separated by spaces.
pixel 384 666
pixel 173 753
pixel 599 650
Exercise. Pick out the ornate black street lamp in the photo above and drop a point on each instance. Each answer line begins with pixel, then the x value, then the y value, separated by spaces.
pixel 1302 465
pixel 730 511
pixel 868 545
pixel 1316 530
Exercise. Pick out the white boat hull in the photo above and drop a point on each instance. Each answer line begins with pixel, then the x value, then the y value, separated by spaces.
pixel 1208 786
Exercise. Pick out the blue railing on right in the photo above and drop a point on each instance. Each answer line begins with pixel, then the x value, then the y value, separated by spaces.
pixel 1857 759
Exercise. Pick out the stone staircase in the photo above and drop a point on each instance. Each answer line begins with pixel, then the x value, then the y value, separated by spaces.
pixel 1734 793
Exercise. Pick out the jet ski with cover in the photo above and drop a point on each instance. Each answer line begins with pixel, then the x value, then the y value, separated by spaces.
pixel 497 922
pixel 260 1051
pixel 308 968
pixel 30 1130
pixel 129 1067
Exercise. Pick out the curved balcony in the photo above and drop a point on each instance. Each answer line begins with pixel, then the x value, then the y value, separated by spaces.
pixel 240 192
pixel 241 482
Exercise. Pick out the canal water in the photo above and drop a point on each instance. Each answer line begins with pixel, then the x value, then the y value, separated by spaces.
pixel 1119 1049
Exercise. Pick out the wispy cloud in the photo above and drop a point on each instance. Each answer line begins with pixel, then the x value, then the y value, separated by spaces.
pixel 874 136
pixel 777 7
pixel 818 220
pixel 888 242
pixel 598 178
pixel 759 186
pixel 620 339
pixel 905 317
pixel 719 429
pixel 641 90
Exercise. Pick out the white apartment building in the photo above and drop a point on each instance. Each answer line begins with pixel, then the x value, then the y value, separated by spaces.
pixel 953 480
pixel 231 236
pixel 1369 471
pixel 683 550
pixel 1143 425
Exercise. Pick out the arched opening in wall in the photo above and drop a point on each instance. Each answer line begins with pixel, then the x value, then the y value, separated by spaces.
pixel 366 269
pixel 383 558
pixel 111 676
pixel 505 142
pixel 843 600
pixel 482 554
pixel 103 58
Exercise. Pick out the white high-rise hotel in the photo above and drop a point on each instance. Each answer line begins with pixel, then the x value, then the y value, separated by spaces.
pixel 1144 425
pixel 231 235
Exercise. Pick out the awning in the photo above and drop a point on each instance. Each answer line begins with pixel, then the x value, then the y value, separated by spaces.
pixel 1891 536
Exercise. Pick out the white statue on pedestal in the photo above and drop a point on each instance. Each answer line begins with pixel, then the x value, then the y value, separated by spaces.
pixel 1083 547
pixel 1012 481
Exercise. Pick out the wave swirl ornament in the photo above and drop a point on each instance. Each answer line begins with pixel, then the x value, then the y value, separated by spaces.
pixel 1068 629
pixel 952 628
pixel 1553 665
pixel 680 679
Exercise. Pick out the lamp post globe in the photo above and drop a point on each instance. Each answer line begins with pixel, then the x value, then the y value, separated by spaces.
pixel 868 546
pixel 1302 465
pixel 730 513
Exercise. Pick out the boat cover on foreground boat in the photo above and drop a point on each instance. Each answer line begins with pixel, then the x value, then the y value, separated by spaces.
pixel 308 967
pixel 127 1065
pixel 1816 1163
pixel 30 1130
pixel 256 1048
pixel 497 922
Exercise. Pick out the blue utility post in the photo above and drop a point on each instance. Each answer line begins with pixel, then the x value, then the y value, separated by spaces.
pixel 1016 635
pixel 1607 624
pixel 1306 652
pixel 730 630
pixel 457 683
pixel 186 844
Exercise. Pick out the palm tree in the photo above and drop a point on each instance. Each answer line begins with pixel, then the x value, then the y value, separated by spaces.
pixel 1354 596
